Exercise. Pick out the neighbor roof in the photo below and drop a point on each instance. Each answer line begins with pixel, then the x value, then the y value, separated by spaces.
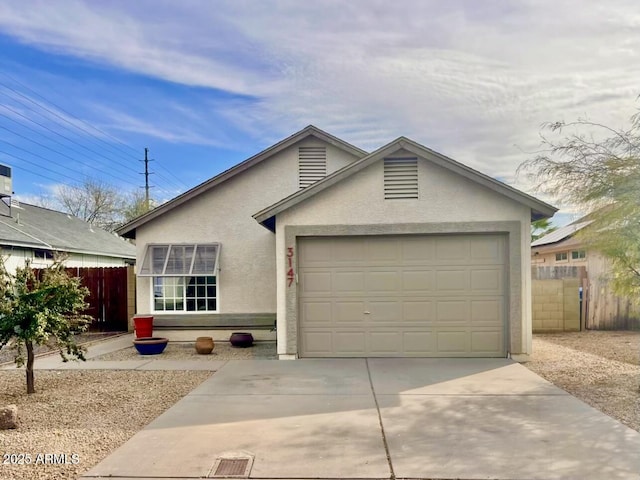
pixel 129 230
pixel 560 234
pixel 30 226
pixel 539 209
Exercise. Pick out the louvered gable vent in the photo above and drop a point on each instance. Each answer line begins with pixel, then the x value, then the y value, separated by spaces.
pixel 400 178
pixel 312 165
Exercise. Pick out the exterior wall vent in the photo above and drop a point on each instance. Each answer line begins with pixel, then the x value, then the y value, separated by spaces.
pixel 312 165
pixel 400 178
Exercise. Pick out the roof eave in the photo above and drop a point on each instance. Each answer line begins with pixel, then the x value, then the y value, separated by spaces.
pixel 539 209
pixel 128 230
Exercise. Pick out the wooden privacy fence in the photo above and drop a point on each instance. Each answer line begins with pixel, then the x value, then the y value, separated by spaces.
pixel 111 296
pixel 606 311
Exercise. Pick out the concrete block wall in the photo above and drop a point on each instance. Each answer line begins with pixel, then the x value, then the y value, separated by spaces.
pixel 556 305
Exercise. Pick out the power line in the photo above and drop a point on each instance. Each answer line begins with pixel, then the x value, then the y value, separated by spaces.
pixel 53 113
pixel 175 181
pixel 40 167
pixel 50 130
pixel 71 114
pixel 62 153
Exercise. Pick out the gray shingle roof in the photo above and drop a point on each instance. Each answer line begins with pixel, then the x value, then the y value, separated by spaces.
pixel 36 227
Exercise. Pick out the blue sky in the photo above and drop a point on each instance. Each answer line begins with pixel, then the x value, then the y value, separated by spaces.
pixel 207 84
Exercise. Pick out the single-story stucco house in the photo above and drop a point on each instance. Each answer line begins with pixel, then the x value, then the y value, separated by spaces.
pixel 401 252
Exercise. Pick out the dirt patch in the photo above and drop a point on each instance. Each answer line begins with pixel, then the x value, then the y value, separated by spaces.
pixel 84 413
pixel 589 365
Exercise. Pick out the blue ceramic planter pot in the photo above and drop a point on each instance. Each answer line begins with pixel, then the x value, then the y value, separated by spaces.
pixel 150 345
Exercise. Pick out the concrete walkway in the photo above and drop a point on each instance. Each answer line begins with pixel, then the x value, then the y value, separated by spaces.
pixel 378 418
pixel 53 361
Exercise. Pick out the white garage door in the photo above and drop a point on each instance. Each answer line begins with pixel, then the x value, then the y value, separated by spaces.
pixel 402 296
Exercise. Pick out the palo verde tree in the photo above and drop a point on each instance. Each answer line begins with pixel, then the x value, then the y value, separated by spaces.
pixel 41 308
pixel 597 168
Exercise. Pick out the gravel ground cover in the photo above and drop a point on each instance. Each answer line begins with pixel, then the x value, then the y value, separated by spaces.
pixel 87 413
pixel 187 351
pixel 600 368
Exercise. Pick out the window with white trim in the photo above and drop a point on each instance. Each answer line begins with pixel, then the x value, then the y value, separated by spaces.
pixel 561 257
pixel 578 254
pixel 184 276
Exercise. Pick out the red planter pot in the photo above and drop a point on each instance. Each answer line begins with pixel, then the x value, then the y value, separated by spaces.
pixel 143 325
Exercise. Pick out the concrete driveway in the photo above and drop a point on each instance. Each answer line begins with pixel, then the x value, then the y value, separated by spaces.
pixel 379 418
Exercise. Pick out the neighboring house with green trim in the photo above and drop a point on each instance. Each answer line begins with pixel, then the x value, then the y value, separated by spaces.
pixel 561 247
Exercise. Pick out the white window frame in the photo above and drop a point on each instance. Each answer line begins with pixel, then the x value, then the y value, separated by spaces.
pixel 185 274
pixel 566 254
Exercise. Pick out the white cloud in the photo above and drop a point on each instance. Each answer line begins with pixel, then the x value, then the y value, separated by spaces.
pixel 474 80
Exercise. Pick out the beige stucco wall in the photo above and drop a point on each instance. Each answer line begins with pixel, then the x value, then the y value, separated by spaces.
pixel 443 197
pixel 549 259
pixel 246 280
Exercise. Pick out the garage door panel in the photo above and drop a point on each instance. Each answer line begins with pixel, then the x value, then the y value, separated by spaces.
pixel 422 312
pixel 315 282
pixel 346 251
pixel 452 249
pixel 420 296
pixel 349 282
pixel 488 312
pixel 382 251
pixel 418 342
pixel 385 342
pixel 417 250
pixel 453 341
pixel 383 282
pixel 349 311
pixel 384 311
pixel 453 312
pixel 452 280
pixel 419 281
pixel 487 249
pixel 350 342
pixel 486 280
pixel 486 342
pixel 317 343
pixel 317 312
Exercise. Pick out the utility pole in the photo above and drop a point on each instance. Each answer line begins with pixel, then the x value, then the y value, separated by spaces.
pixel 146 178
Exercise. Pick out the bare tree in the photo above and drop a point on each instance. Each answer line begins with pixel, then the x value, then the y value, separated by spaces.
pixel 98 203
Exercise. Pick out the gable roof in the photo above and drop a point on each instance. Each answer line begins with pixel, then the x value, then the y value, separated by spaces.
pixel 539 209
pixel 561 233
pixel 30 226
pixel 128 230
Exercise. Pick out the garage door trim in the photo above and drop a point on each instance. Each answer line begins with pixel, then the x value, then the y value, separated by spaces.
pixel 513 279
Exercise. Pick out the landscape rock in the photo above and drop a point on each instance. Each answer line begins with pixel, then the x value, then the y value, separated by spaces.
pixel 8 417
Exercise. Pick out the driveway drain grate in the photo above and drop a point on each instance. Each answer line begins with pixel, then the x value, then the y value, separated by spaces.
pixel 231 467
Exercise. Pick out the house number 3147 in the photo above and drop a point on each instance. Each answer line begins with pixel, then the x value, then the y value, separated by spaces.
pixel 291 276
